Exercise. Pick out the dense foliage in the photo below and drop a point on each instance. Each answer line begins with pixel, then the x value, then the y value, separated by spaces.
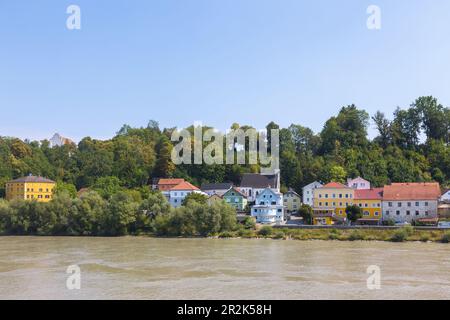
pixel 413 146
pixel 91 214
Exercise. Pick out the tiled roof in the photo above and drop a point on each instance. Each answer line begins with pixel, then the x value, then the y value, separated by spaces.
pixel 369 194
pixel 293 192
pixel 216 186
pixel 237 191
pixel 29 179
pixel 255 180
pixel 412 191
pixel 335 185
pixel 184 185
pixel 170 181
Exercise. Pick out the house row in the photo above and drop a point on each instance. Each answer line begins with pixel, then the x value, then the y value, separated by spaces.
pixel 399 202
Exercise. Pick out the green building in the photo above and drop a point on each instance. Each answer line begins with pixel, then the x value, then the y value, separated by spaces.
pixel 235 198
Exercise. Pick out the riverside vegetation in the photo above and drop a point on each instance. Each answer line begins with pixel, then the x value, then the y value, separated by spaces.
pixel 130 213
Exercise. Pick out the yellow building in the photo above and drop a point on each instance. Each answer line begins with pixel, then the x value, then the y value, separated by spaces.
pixel 292 201
pixel 370 203
pixel 333 198
pixel 30 188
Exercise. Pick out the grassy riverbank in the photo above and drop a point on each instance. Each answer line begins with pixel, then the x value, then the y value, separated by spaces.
pixel 398 235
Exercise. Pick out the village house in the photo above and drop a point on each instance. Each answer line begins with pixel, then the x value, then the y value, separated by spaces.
pixel 268 207
pixel 370 202
pixel 292 201
pixel 235 198
pixel 214 199
pixel 406 202
pixel 308 193
pixel 252 184
pixel 216 188
pixel 331 201
pixel 30 188
pixel 358 183
pixel 445 197
pixel 177 193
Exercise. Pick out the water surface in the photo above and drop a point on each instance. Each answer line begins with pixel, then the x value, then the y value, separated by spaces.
pixel 148 268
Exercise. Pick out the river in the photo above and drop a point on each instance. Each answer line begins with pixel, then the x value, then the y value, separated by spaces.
pixel 148 268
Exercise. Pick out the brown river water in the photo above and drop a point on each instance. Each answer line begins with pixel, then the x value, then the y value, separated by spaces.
pixel 148 268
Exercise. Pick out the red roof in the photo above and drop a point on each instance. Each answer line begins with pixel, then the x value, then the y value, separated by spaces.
pixel 170 181
pixel 335 185
pixel 369 194
pixel 412 191
pixel 184 185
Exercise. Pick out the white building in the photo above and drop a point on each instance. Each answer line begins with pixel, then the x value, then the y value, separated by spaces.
pixel 445 196
pixel 405 202
pixel 58 141
pixel 358 183
pixel 253 184
pixel 308 192
pixel 177 193
pixel 268 208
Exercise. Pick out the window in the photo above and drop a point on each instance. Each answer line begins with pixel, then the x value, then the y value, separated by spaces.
pixel 387 212
pixel 326 195
pixel 426 204
pixel 426 213
pixel 390 204
pixel 376 213
pixel 408 212
pixel 366 213
pixel 409 204
pixel 340 195
pixel 399 204
pixel 417 212
pixel 397 212
pixel 417 204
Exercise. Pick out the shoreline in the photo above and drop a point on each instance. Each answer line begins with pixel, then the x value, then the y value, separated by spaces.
pixel 405 234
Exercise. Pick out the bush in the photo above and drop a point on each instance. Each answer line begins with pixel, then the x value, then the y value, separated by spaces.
pixel 445 237
pixel 356 235
pixel 265 231
pixel 226 234
pixel 244 233
pixel 249 223
pixel 399 235
pixel 278 235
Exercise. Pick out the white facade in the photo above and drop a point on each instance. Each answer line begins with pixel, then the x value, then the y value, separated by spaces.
pixel 446 196
pixel 407 211
pixel 358 183
pixel 308 192
pixel 268 208
pixel 176 197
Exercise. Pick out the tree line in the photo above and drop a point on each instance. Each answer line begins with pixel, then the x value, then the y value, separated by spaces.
pixel 121 214
pixel 412 145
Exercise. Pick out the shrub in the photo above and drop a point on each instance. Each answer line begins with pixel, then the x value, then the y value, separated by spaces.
pixel 244 233
pixel 424 238
pixel 356 235
pixel 265 231
pixel 249 223
pixel 226 234
pixel 399 235
pixel 278 235
pixel 445 237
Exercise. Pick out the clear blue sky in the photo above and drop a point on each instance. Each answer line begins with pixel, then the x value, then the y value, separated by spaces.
pixel 219 62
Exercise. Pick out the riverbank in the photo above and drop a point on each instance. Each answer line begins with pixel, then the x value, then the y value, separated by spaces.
pixel 397 235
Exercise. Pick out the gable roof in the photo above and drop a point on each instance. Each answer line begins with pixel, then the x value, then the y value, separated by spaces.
pixel 216 186
pixel 313 184
pixel 369 194
pixel 215 195
pixel 169 181
pixel 239 193
pixel 29 179
pixel 278 194
pixel 255 180
pixel 184 185
pixel 336 185
pixel 412 191
pixel 293 192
